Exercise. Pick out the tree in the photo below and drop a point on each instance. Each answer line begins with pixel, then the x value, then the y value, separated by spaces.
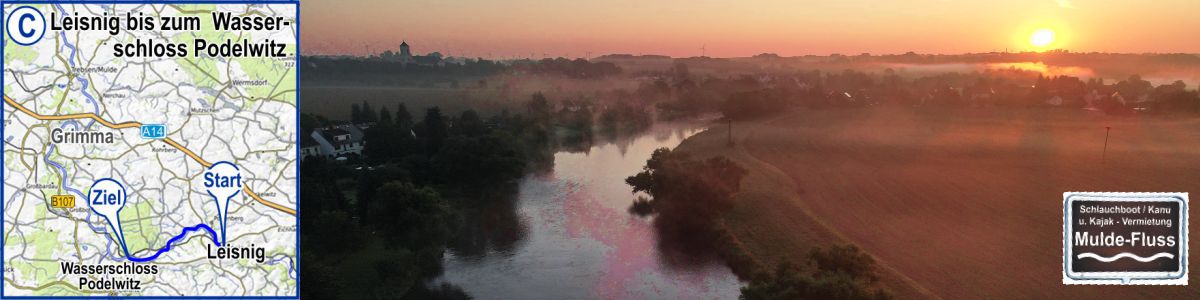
pixel 846 259
pixel 470 124
pixel 368 114
pixel 403 117
pixel 310 122
pixel 412 217
pixel 681 71
pixel 688 195
pixel 1175 97
pixel 442 291
pixel 435 131
pixel 330 285
pixel 368 187
pixel 746 105
pixel 355 114
pixel 385 142
pixel 335 232
pixel 480 161
pixel 385 117
pixel 318 181
pixel 788 282
pixel 657 89
pixel 539 108
pixel 1133 87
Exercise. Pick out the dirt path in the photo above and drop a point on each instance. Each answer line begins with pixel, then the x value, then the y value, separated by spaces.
pixel 770 221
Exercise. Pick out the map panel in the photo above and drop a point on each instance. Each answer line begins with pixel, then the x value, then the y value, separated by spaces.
pixel 150 149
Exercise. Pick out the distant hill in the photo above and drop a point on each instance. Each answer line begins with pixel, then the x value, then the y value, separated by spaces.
pixel 631 56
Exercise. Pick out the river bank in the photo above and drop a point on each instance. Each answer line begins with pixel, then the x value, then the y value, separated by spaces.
pixel 567 233
pixel 770 225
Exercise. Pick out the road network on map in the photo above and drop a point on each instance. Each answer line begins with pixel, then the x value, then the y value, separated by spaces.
pixel 148 174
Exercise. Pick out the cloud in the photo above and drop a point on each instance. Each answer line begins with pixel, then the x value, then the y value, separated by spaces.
pixel 1064 3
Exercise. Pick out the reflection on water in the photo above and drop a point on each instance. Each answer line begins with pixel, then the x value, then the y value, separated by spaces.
pixel 567 234
pixel 1047 70
pixel 1044 69
pixel 493 227
pixel 1156 76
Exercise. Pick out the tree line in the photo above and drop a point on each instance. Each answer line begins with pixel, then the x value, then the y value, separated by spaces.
pixel 690 196
pixel 679 93
pixel 379 224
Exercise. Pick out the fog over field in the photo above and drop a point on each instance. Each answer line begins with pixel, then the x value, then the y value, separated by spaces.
pixel 856 177
pixel 937 194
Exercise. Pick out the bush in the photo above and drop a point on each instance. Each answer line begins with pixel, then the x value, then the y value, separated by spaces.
pixel 412 217
pixel 845 259
pixel 475 162
pixel 748 105
pixel 688 195
pixel 641 207
pixel 843 272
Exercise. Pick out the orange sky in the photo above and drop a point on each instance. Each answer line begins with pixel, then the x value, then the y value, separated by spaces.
pixel 521 28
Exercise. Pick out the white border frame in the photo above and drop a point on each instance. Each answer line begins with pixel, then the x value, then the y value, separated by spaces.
pixel 1125 278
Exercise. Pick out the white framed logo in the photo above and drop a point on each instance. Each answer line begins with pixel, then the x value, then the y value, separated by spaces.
pixel 1125 238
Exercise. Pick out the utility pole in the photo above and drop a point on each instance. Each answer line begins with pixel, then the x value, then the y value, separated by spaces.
pixel 1104 154
pixel 729 123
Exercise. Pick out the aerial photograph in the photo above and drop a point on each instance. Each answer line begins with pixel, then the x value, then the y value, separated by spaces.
pixel 762 149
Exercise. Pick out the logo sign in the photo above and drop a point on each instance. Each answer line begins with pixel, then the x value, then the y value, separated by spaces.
pixel 25 25
pixel 1125 238
pixel 154 131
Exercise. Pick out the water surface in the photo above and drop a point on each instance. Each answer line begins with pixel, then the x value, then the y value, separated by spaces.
pixel 567 234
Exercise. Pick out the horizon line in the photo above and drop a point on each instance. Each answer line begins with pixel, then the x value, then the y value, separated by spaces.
pixel 1052 51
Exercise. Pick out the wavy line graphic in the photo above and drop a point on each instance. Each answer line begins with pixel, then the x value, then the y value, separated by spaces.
pixel 1125 254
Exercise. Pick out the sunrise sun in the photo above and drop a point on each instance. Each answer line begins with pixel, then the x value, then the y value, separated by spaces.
pixel 1041 38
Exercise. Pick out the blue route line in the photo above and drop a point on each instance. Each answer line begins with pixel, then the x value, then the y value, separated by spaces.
pixel 96 108
pixel 169 242
pixel 125 248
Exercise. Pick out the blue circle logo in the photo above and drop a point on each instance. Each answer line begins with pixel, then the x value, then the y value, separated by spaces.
pixel 25 25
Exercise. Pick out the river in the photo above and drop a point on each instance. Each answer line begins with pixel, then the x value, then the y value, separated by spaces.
pixel 568 234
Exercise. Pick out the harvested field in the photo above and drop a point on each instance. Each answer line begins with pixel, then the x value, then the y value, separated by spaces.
pixel 957 204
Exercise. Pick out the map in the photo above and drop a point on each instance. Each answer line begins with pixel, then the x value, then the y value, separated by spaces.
pixel 150 149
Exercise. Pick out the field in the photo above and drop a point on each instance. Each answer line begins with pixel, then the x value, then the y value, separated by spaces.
pixel 333 99
pixel 957 204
